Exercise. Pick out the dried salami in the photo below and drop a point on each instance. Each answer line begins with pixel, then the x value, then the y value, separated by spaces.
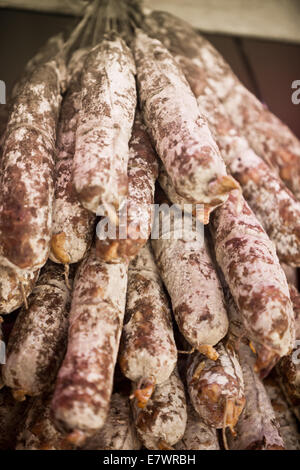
pixel 257 282
pixel 180 134
pixel 38 431
pixel 37 342
pixel 84 385
pixel 161 424
pixel 216 388
pixel 273 204
pixel 105 120
pixel 188 273
pixel 27 162
pixel 142 173
pixel 72 227
pixel 148 351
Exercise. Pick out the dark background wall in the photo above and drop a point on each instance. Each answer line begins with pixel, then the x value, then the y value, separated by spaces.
pixel 268 68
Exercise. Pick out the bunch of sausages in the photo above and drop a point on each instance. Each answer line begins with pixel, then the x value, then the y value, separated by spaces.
pixel 134 340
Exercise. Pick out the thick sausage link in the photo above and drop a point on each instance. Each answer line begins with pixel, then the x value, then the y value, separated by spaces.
pixel 48 50
pixel 72 227
pixel 162 423
pixel 200 211
pixel 108 103
pixel 38 339
pixel 188 273
pixel 216 388
pixel 290 273
pixel 180 134
pixel 142 173
pixel 256 280
pixel 84 384
pixel 28 164
pixel 148 351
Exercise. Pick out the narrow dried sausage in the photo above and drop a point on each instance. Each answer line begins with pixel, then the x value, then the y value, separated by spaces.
pixel 84 384
pixel 148 351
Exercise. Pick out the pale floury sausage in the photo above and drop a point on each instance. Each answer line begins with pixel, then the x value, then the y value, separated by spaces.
pixel 180 134
pixel 148 351
pixel 28 164
pixel 257 282
pixel 73 225
pixel 162 423
pixel 142 173
pixel 288 367
pixel 37 342
pixel 108 102
pixel 216 388
pixel 84 384
pixel 184 263
pixel 288 424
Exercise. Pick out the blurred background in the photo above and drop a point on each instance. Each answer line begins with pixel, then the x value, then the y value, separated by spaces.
pixel 259 38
